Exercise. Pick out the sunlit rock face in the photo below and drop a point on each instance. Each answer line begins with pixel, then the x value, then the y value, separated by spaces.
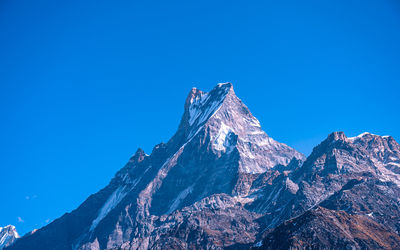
pixel 221 181
pixel 349 179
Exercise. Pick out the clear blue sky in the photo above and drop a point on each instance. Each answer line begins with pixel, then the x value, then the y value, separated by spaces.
pixel 84 83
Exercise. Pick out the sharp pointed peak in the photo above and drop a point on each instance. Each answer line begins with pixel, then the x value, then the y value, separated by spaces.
pixel 200 105
pixel 331 141
pixel 223 88
pixel 140 151
pixel 10 229
pixel 225 85
pixel 138 156
pixel 194 94
pixel 339 139
pixel 220 88
pixel 336 136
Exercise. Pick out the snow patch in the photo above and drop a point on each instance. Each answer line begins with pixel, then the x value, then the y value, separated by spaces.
pixel 291 186
pixel 195 107
pixel 110 204
pixel 7 235
pixel 244 200
pixel 212 108
pixel 222 84
pixel 360 136
pixel 394 163
pixel 181 196
pixel 196 113
pixel 221 142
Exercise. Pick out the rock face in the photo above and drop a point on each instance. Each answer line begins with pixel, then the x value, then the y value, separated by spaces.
pixel 222 182
pixel 321 228
pixel 8 235
pixel 354 183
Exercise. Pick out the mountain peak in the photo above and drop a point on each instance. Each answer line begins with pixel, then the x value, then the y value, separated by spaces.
pixel 336 136
pixel 226 85
pixel 8 235
pixel 365 135
pixel 192 96
pixel 195 93
pixel 138 156
pixel 200 106
pixel 219 148
pixel 229 125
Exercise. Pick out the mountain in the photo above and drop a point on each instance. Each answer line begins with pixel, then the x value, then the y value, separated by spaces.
pixel 335 163
pixel 321 228
pixel 222 182
pixel 206 168
pixel 351 184
pixel 8 235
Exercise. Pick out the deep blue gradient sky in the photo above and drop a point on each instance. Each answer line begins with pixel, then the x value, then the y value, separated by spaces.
pixel 83 84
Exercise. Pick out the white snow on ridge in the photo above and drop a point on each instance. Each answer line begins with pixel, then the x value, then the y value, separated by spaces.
pixel 359 136
pixel 364 134
pixel 197 115
pixel 195 107
pixel 394 163
pixel 181 196
pixel 116 197
pixel 222 84
pixel 109 205
pixel 209 111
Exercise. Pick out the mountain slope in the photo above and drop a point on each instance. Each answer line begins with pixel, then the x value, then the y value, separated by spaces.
pixel 211 161
pixel 221 182
pixel 321 228
pixel 334 163
pixel 354 178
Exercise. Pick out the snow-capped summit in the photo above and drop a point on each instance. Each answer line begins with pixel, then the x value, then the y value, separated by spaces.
pixel 230 126
pixel 221 181
pixel 8 235
pixel 200 106
pixel 219 147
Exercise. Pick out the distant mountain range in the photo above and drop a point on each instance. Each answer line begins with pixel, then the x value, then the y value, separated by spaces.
pixel 222 182
pixel 8 235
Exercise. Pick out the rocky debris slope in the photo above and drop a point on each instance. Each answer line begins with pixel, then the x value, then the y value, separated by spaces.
pixel 321 228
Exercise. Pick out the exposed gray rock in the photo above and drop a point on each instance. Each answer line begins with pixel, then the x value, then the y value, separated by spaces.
pixel 211 162
pixel 222 182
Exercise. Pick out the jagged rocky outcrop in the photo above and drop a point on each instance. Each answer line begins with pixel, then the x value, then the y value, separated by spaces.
pixel 8 235
pixel 217 153
pixel 355 177
pixel 222 182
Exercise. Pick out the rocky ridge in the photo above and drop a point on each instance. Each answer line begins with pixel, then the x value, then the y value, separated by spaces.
pixel 222 182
